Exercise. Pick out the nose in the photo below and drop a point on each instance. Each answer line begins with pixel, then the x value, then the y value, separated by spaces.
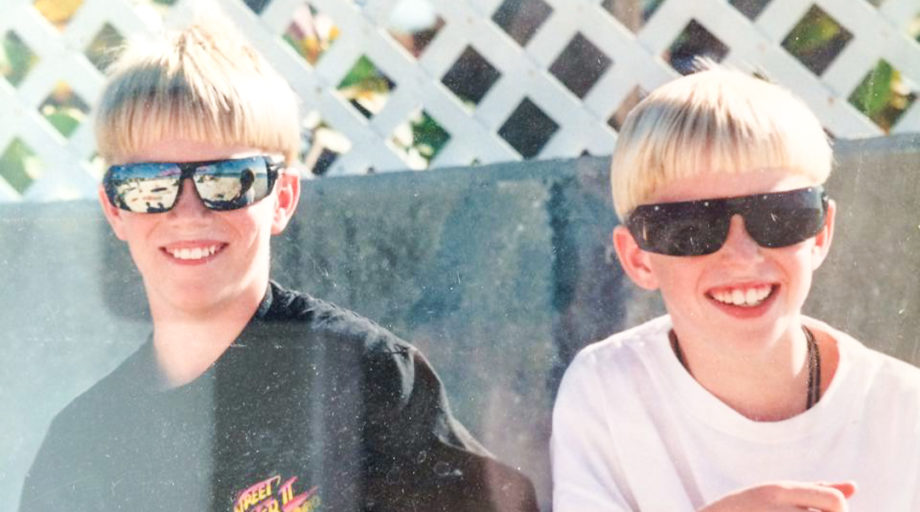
pixel 188 203
pixel 739 242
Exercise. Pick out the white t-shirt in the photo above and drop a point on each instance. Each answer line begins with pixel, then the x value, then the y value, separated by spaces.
pixel 632 430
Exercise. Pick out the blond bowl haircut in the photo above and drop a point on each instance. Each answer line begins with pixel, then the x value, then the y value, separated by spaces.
pixel 715 120
pixel 203 83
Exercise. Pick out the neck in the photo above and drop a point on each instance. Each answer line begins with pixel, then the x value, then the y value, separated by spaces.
pixel 187 343
pixel 765 381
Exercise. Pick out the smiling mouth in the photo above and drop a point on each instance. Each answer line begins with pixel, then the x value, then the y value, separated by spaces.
pixel 746 297
pixel 194 253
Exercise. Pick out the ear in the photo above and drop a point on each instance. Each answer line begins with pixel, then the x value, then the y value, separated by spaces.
pixel 635 262
pixel 824 237
pixel 115 216
pixel 287 195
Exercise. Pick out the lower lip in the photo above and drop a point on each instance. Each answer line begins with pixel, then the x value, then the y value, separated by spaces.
pixel 747 311
pixel 192 262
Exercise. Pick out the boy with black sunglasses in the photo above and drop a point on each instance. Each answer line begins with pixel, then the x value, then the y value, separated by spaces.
pixel 247 396
pixel 733 401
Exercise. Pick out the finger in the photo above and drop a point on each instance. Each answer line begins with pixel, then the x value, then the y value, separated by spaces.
pixel 813 496
pixel 847 488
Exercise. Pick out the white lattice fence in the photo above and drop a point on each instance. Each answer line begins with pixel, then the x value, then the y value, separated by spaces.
pixel 536 99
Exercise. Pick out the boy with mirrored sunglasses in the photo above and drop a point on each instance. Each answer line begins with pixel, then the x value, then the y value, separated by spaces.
pixel 247 396
pixel 734 400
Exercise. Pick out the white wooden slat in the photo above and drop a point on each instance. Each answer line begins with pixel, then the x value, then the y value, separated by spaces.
pixel 900 13
pixel 8 108
pixel 378 12
pixel 779 16
pixel 82 141
pixel 277 14
pixel 443 51
pixel 485 8
pixel 601 142
pixel 553 35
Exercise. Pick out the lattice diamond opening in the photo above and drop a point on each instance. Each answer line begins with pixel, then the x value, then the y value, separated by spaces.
pixel 321 144
pixel 528 129
pixel 580 65
pixel 521 19
pixel 694 41
pixel 64 109
pixel 470 77
pixel 105 47
pixel 631 100
pixel 58 12
pixel 750 8
pixel 328 145
pixel 257 6
pixel 17 59
pixel 311 33
pixel 420 139
pixel 883 95
pixel 816 40
pixel 633 15
pixel 366 87
pixel 19 166
pixel 414 24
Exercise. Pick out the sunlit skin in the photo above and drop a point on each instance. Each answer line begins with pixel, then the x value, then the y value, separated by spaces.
pixel 200 305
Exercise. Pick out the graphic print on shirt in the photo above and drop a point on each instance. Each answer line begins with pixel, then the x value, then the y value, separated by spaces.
pixel 270 495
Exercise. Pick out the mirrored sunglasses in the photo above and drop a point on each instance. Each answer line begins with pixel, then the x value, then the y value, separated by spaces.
pixel 154 187
pixel 694 228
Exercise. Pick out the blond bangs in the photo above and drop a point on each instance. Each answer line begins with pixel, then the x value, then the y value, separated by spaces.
pixel 196 90
pixel 714 121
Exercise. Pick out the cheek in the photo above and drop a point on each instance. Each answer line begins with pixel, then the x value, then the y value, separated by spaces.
pixel 677 277
pixel 136 229
pixel 252 225
pixel 799 260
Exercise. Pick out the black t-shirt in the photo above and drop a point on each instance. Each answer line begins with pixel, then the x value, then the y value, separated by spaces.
pixel 312 408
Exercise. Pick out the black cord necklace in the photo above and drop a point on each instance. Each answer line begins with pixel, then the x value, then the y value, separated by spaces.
pixel 814 364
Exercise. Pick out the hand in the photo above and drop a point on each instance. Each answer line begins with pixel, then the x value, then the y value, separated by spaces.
pixel 782 496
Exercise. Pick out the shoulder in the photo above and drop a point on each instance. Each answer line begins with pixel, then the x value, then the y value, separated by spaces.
pixel 623 348
pixel 76 434
pixel 325 320
pixel 882 378
pixel 610 370
pixel 123 385
pixel 890 375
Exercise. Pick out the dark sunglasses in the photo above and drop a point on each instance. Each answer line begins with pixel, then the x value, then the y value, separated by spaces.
pixel 154 187
pixel 694 228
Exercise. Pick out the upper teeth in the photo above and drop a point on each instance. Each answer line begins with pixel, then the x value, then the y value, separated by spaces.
pixel 739 297
pixel 193 254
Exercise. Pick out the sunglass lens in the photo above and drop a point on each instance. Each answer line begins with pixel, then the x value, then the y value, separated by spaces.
pixel 681 229
pixel 143 188
pixel 233 184
pixel 786 219
pixel 691 237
